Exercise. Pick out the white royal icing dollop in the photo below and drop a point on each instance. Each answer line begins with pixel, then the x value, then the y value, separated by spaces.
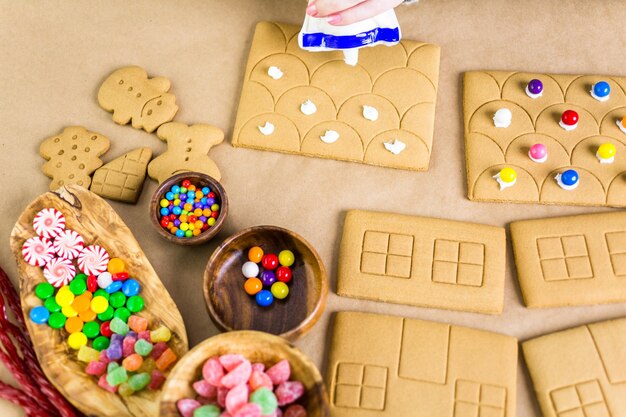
pixel 503 118
pixel 330 136
pixel 308 108
pixel 267 129
pixel 395 147
pixel 370 113
pixel 275 72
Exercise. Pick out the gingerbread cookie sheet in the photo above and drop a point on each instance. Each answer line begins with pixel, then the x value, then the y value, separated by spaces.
pixel 573 260
pixel 379 112
pixel 391 366
pixel 571 116
pixel 422 261
pixel 580 372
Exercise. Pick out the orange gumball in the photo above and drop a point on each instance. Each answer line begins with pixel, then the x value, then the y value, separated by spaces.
pixel 255 254
pixel 253 286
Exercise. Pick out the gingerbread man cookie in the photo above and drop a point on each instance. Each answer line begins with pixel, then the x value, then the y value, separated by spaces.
pixel 73 155
pixel 187 150
pixel 133 97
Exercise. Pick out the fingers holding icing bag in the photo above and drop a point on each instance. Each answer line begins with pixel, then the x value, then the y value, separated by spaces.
pixel 345 12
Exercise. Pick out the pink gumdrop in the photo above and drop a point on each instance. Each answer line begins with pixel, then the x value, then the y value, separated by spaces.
pixel 258 367
pixel 249 410
pixel 96 368
pixel 236 398
pixel 205 389
pixel 156 380
pixel 225 414
pixel 222 392
pixel 295 410
pixel 104 358
pixel 239 375
pixel 128 346
pixel 102 383
pixel 280 372
pixel 278 412
pixel 260 379
pixel 213 372
pixel 205 400
pixel 289 392
pixel 187 406
pixel 538 152
pixel 231 361
pixel 145 335
pixel 158 350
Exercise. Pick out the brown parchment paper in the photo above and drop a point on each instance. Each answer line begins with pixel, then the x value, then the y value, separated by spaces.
pixel 55 54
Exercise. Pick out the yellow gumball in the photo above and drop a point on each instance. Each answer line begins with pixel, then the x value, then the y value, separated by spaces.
pixel 77 340
pixel 607 151
pixel 508 175
pixel 116 265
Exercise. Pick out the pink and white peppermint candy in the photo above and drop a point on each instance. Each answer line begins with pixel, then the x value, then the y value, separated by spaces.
pixel 59 272
pixel 37 251
pixel 49 222
pixel 93 260
pixel 68 244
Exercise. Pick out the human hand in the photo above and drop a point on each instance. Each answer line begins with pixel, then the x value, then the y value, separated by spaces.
pixel 345 12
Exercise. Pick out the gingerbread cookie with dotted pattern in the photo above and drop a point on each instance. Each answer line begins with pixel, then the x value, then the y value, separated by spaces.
pixel 187 150
pixel 73 155
pixel 133 97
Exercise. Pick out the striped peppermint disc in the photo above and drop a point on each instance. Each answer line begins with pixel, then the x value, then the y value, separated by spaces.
pixel 93 260
pixel 68 244
pixel 37 251
pixel 59 272
pixel 49 222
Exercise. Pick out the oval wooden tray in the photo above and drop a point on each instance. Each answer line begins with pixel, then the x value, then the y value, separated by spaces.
pixel 257 347
pixel 98 223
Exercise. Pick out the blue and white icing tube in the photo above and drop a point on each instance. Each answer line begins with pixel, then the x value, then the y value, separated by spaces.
pixel 318 35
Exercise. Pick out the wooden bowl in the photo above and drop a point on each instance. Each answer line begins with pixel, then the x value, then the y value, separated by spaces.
pixel 231 308
pixel 255 346
pixel 98 223
pixel 199 180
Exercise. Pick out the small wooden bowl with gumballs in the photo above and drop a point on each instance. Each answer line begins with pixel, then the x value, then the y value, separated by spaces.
pixel 258 348
pixel 231 307
pixel 200 182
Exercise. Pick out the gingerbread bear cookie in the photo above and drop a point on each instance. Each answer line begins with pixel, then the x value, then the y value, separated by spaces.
pixel 122 179
pixel 73 155
pixel 133 97
pixel 187 150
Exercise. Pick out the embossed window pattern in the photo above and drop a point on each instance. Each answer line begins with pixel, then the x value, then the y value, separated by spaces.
pixel 564 257
pixel 387 254
pixel 580 400
pixel 473 399
pixel 616 242
pixel 360 386
pixel 459 263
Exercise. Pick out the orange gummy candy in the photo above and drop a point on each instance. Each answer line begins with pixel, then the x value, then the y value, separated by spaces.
pixel 137 324
pixel 166 359
pixel 132 362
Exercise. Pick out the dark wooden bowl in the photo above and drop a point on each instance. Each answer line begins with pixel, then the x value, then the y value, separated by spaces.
pixel 197 179
pixel 255 346
pixel 231 308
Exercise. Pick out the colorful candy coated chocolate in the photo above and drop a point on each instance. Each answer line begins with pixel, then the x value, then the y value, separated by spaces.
pixel 535 86
pixel 252 286
pixel 82 303
pixel 508 175
pixel 131 287
pixel 117 299
pixel 73 325
pixel 569 118
pixel 135 304
pixel 114 287
pixel 286 258
pixel 68 311
pixel 99 304
pixel 107 314
pixel 280 290
pixel 122 313
pixel 250 269
pixel 64 296
pixel 269 261
pixel 607 151
pixel 569 177
pixel 77 340
pixel 264 298
pixel 39 315
pixel 101 342
pixel 57 320
pixel 268 277
pixel 255 254
pixel 602 89
pixel 283 274
pixel 78 286
pixel 91 329
pixel 104 280
pixel 44 290
pixel 538 152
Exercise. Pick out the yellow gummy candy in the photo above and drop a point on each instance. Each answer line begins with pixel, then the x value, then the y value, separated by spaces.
pixel 162 334
pixel 87 354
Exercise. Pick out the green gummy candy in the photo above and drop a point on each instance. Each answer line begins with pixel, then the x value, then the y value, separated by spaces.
pixel 266 399
pixel 125 390
pixel 118 326
pixel 117 376
pixel 107 314
pixel 44 290
pixel 52 305
pixel 117 299
pixel 139 381
pixel 207 411
pixel 143 347
pixel 112 366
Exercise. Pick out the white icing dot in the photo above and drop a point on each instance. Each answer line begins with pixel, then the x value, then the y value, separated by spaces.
pixel 308 108
pixel 267 129
pixel 370 113
pixel 395 147
pixel 503 118
pixel 330 136
pixel 275 72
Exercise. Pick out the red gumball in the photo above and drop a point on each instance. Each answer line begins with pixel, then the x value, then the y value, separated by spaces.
pixel 269 261
pixel 211 195
pixel 569 118
pixel 186 183
pixel 283 274
pixel 214 214
pixel 172 217
pixel 165 222
pixel 192 219
pixel 92 283
pixel 105 329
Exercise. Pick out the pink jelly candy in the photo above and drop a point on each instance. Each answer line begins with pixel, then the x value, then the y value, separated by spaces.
pixel 295 410
pixel 221 396
pixel 205 389
pixel 128 346
pixel 249 410
pixel 158 350
pixel 156 380
pixel 236 398
pixel 104 357
pixel 231 360
pixel 280 372
pixel 239 375
pixel 279 412
pixel 205 400
pixel 96 368
pixel 102 383
pixel 225 414
pixel 258 367
pixel 288 392
pixel 187 406
pixel 260 379
pixel 213 372
pixel 145 335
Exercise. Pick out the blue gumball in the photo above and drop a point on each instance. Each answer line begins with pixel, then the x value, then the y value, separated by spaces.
pixel 264 298
pixel 602 89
